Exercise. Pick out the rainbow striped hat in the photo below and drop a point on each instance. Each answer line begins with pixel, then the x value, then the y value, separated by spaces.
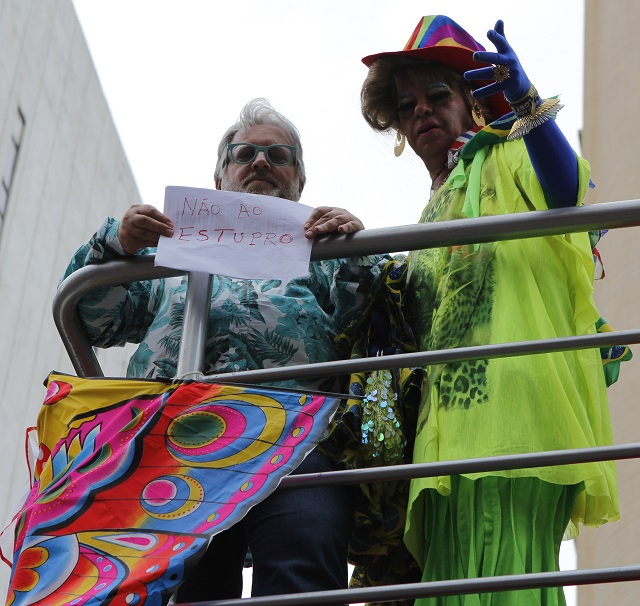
pixel 440 39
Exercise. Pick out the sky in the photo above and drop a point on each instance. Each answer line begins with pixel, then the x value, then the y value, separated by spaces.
pixel 176 74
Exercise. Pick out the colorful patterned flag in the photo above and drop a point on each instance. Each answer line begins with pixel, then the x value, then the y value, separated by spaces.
pixel 134 477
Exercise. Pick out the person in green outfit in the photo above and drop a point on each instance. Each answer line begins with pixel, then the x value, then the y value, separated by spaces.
pixel 491 147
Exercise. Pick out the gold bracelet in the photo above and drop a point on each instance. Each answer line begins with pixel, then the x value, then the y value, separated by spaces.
pixel 525 105
pixel 530 114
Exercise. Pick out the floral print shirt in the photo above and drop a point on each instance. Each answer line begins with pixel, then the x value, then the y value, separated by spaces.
pixel 252 323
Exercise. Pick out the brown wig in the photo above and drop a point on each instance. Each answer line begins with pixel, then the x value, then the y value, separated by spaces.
pixel 378 97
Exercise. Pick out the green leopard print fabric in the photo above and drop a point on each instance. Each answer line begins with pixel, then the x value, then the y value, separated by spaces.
pixel 450 299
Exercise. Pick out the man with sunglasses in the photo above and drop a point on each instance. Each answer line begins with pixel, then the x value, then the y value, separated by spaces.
pixel 299 537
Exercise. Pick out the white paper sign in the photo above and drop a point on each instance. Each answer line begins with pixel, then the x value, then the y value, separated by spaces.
pixel 235 234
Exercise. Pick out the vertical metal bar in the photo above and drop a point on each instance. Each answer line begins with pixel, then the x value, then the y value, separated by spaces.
pixel 194 328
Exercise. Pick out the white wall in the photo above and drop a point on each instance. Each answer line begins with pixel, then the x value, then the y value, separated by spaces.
pixel 71 172
pixel 612 53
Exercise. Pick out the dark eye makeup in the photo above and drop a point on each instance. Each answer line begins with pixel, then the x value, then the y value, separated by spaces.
pixel 438 93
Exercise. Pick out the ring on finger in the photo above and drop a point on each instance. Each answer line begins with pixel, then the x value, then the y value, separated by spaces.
pixel 500 72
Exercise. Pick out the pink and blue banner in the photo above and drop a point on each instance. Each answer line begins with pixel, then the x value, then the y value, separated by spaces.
pixel 133 477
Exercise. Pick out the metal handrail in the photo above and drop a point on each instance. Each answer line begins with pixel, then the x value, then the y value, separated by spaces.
pixel 439 588
pixel 611 215
pixel 548 458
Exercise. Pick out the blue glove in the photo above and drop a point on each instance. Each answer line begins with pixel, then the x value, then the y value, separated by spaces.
pixel 516 85
pixel 552 158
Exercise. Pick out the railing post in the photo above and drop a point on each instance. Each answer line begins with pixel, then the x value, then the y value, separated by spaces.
pixel 194 326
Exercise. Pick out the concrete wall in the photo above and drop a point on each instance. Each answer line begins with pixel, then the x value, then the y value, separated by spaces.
pixel 71 172
pixel 609 142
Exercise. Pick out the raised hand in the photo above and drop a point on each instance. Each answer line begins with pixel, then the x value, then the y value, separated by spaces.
pixel 510 78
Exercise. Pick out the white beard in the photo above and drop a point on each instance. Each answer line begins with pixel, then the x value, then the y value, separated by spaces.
pixel 265 188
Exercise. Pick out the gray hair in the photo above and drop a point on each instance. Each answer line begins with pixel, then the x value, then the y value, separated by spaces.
pixel 256 113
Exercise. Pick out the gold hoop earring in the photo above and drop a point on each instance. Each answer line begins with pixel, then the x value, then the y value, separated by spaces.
pixel 401 140
pixel 478 116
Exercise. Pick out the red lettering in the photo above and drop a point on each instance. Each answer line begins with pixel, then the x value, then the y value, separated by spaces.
pixel 222 230
pixel 187 205
pixel 286 239
pixel 205 236
pixel 270 237
pixel 184 235
pixel 254 235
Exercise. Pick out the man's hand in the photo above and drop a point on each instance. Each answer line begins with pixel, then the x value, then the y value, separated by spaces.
pixel 327 219
pixel 141 226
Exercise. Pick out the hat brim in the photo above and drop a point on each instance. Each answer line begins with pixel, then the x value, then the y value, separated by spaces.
pixel 459 59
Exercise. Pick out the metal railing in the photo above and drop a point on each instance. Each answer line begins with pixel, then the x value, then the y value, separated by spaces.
pixel 611 215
